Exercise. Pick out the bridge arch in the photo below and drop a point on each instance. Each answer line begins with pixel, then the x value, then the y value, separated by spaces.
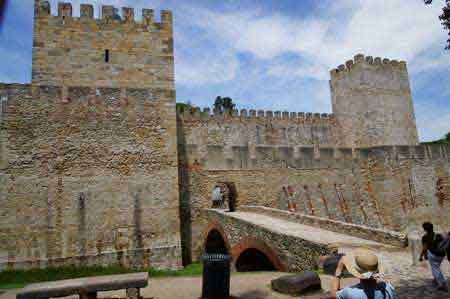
pixel 251 250
pixel 215 239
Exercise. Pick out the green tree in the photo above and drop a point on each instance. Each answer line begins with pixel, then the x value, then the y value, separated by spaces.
pixel 224 104
pixel 181 107
pixel 447 137
pixel 444 17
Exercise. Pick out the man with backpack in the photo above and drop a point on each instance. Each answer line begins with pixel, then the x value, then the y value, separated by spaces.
pixel 434 249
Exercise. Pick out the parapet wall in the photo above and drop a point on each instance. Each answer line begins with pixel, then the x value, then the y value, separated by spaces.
pixel 219 157
pixel 206 113
pixel 383 64
pixel 129 99
pixel 252 128
pixel 114 51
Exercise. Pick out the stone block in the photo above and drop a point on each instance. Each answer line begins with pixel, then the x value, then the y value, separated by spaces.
pixel 297 284
pixel 64 9
pixel 147 16
pixel 128 14
pixel 87 11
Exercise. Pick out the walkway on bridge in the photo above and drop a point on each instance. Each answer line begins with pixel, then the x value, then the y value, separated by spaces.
pixel 305 232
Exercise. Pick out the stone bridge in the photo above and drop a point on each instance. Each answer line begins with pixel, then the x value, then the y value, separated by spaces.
pixel 260 238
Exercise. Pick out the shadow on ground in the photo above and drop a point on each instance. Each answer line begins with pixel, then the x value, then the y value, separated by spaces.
pixel 418 288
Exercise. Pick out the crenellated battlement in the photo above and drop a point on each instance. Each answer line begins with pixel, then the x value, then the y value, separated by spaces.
pixel 219 157
pixel 360 59
pixel 199 114
pixel 108 15
pixel 75 97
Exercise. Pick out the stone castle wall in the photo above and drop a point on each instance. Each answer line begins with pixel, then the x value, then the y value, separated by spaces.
pixel 96 165
pixel 92 180
pixel 70 51
pixel 390 188
pixel 371 99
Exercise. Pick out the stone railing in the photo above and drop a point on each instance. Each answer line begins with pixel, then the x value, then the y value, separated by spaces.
pixel 361 231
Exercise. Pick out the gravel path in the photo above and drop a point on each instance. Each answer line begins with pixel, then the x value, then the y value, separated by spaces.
pixel 410 282
pixel 244 286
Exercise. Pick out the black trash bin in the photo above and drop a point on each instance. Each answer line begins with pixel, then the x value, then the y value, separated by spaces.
pixel 216 276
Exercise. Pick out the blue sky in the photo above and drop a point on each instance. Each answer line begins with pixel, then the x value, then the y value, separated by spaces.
pixel 276 55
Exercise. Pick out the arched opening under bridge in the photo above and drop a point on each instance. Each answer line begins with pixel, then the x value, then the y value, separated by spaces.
pixel 252 259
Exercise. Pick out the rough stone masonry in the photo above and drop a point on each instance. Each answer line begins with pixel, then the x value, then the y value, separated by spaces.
pixel 98 168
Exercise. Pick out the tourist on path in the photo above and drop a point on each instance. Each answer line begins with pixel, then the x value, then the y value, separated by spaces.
pixel 434 255
pixel 365 265
pixel 289 193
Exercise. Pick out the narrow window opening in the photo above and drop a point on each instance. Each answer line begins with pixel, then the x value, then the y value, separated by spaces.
pixel 106 55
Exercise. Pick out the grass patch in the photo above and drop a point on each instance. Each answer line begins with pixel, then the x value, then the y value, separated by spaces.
pixel 11 286
pixel 318 271
pixel 195 269
pixel 20 278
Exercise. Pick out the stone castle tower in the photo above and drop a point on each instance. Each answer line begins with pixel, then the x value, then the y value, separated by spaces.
pixel 371 99
pixel 114 51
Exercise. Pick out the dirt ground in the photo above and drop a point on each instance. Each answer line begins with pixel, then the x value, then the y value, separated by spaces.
pixel 243 286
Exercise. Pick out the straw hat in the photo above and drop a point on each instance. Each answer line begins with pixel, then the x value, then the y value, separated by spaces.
pixel 363 264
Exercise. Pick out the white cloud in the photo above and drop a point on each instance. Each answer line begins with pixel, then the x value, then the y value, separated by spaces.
pixel 209 68
pixel 396 29
pixel 264 36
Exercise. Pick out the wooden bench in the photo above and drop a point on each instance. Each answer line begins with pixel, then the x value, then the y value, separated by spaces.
pixel 87 287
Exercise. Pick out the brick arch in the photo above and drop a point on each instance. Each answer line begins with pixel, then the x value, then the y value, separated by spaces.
pixel 248 243
pixel 214 225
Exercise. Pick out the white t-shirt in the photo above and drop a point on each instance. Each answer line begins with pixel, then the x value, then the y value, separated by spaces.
pixel 216 196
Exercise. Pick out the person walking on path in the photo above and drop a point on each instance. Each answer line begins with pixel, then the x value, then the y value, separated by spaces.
pixel 432 252
pixel 366 266
pixel 289 194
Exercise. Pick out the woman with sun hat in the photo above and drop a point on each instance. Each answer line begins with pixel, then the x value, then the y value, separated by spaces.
pixel 365 265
